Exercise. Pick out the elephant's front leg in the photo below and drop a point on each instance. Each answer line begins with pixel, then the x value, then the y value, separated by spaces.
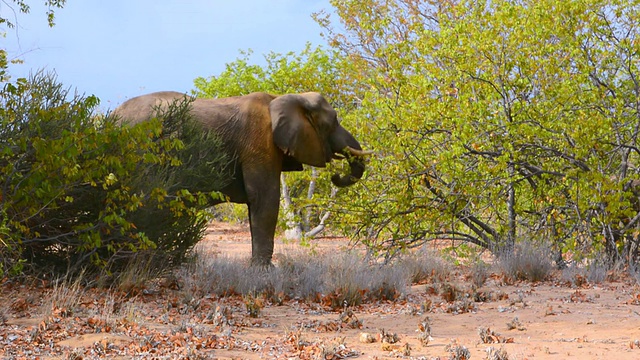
pixel 264 203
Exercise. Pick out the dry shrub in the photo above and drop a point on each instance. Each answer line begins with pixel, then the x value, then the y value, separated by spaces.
pixel 479 272
pixel 515 324
pixel 596 272
pixel 450 293
pixel 424 331
pixel 254 305
pixel 526 262
pixel 425 266
pixel 496 354
pixel 489 336
pixel 457 351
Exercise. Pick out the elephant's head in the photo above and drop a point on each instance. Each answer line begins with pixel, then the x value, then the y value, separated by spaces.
pixel 306 128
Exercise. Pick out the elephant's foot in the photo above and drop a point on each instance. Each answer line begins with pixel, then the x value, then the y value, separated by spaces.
pixel 261 262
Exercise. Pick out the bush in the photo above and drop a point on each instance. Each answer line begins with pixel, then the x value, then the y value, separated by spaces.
pixel 78 190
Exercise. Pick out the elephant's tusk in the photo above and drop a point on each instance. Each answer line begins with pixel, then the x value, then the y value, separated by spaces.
pixel 337 156
pixel 355 152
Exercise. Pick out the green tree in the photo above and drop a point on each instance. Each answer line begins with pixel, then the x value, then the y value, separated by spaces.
pixel 492 123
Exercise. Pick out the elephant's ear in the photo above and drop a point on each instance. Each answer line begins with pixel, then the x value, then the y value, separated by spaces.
pixel 294 131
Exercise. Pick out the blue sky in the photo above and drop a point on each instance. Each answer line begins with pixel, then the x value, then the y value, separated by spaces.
pixel 118 49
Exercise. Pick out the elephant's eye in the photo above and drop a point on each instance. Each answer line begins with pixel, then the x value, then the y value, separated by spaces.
pixel 334 122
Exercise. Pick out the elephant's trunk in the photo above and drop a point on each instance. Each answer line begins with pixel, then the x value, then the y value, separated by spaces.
pixel 345 144
pixel 357 169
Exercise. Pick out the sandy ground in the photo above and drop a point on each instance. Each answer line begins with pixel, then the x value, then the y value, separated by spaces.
pixel 558 320
pixel 550 320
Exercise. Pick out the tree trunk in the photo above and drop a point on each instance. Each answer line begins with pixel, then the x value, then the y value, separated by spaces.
pixel 310 192
pixel 320 228
pixel 294 228
pixel 511 212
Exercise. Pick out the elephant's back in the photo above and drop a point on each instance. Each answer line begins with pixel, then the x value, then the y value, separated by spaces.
pixel 142 108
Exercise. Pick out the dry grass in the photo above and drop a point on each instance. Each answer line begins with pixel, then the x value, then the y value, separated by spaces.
pixel 137 274
pixel 479 272
pixel 597 272
pixel 342 279
pixel 634 272
pixel 426 266
pixel 65 296
pixel 3 316
pixel 526 262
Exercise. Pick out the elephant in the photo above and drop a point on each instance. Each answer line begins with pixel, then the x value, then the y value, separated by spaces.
pixel 266 134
